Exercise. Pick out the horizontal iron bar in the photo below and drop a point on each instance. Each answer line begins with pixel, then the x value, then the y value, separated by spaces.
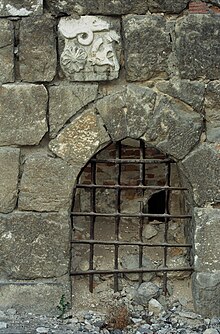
pixel 131 271
pixel 117 186
pixel 134 161
pixel 129 215
pixel 138 243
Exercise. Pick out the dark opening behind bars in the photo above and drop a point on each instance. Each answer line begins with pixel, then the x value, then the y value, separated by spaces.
pixel 144 217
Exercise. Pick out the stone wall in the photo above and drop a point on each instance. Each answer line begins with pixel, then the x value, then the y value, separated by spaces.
pixel 77 75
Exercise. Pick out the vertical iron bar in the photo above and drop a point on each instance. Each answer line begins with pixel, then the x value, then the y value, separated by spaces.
pixel 92 221
pixel 118 209
pixel 141 221
pixel 166 224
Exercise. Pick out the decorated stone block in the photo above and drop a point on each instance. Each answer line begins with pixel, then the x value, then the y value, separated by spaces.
pixel 91 48
pixel 21 8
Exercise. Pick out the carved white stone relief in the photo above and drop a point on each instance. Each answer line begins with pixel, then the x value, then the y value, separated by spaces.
pixel 90 50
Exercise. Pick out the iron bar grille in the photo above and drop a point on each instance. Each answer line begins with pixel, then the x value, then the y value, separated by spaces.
pixel 124 175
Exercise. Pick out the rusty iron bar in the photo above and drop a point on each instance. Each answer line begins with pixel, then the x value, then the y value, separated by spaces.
pixel 133 161
pixel 92 223
pixel 102 214
pixel 129 243
pixel 138 187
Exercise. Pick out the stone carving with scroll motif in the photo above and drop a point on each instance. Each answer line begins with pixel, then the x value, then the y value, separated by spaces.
pixel 91 50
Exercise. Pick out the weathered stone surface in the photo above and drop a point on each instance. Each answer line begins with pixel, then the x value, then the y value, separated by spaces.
pixel 38 298
pixel 37 50
pixel 206 293
pixel 81 139
pixel 9 169
pixel 46 184
pixel 145 292
pixel 126 112
pixel 22 114
pixel 6 51
pixel 174 128
pixel 202 167
pixel 187 91
pixel 207 236
pixel 66 100
pixel 212 114
pixel 91 49
pixel 197 46
pixel 18 8
pixel 147 47
pixel 34 245
pixel 168 6
pixel 131 262
pixel 103 7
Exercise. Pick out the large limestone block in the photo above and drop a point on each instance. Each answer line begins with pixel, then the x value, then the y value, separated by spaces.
pixel 35 297
pixel 6 51
pixel 90 48
pixel 197 46
pixel 66 100
pixel 147 47
pixel 174 128
pixel 206 293
pixel 202 168
pixel 207 239
pixel 34 245
pixel 103 7
pixel 22 114
pixel 37 50
pixel 168 6
pixel 80 140
pixel 9 169
pixel 46 184
pixel 21 8
pixel 212 114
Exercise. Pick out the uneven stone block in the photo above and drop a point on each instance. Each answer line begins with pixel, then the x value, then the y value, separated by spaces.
pixel 21 8
pixel 37 51
pixel 9 169
pixel 80 140
pixel 202 168
pixel 22 114
pixel 46 184
pixel 187 91
pixel 91 49
pixel 174 128
pixel 103 7
pixel 66 100
pixel 207 239
pixel 168 6
pixel 197 46
pixel 212 114
pixel 34 245
pixel 147 47
pixel 38 298
pixel 6 51
pixel 206 293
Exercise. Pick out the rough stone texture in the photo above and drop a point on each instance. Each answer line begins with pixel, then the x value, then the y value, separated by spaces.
pixel 131 262
pixel 212 114
pixel 168 6
pixel 38 298
pixel 206 293
pixel 37 50
pixel 91 48
pixel 46 184
pixel 42 251
pixel 202 168
pixel 145 292
pixel 126 112
pixel 9 169
pixel 197 46
pixel 66 100
pixel 174 128
pixel 79 141
pixel 104 7
pixel 18 8
pixel 187 91
pixel 25 125
pixel 207 236
pixel 147 47
pixel 6 51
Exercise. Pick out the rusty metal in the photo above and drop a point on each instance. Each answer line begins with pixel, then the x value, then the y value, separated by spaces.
pixel 162 218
